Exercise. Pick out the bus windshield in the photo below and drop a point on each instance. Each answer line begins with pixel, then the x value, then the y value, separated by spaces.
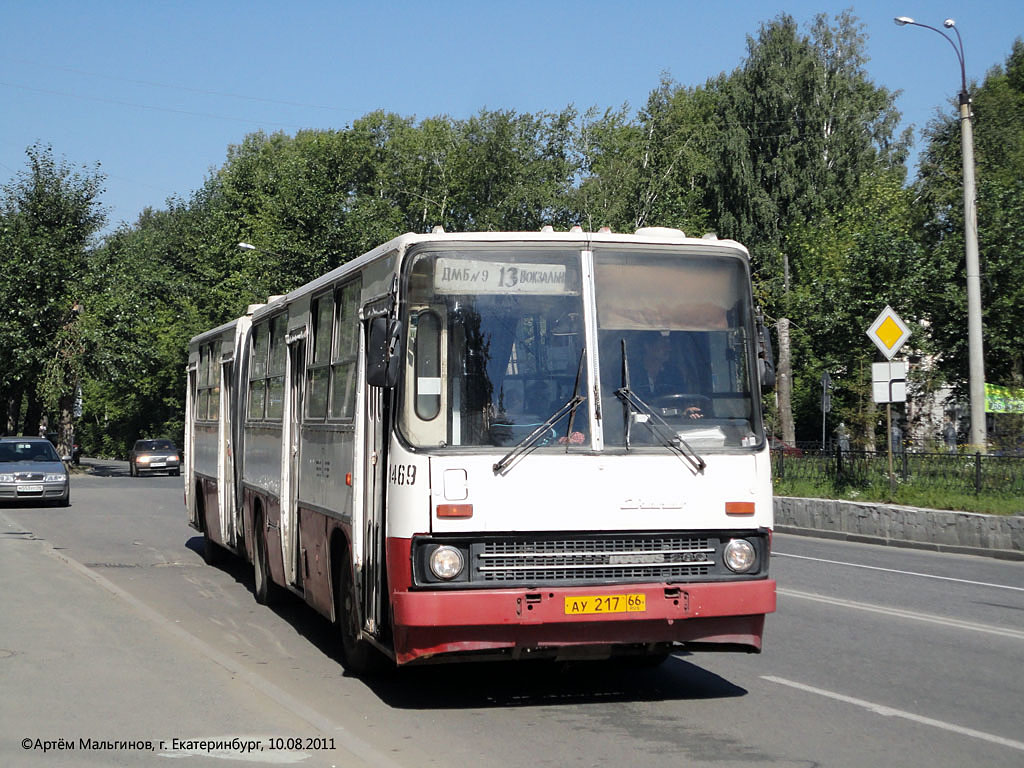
pixel 495 342
pixel 676 334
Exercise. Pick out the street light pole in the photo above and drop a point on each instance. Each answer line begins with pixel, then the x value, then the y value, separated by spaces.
pixel 974 328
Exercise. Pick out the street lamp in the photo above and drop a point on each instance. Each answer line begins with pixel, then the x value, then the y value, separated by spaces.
pixel 251 247
pixel 974 330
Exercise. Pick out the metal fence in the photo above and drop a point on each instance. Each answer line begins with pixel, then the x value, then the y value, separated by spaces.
pixel 956 472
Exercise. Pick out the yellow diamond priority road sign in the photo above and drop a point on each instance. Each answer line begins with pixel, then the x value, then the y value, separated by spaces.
pixel 889 332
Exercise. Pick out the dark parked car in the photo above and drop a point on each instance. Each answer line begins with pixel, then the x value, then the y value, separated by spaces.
pixel 149 456
pixel 30 469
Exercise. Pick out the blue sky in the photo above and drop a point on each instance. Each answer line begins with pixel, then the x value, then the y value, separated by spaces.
pixel 157 91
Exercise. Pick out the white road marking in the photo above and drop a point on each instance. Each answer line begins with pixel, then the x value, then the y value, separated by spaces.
pixel 945 621
pixel 903 573
pixel 885 711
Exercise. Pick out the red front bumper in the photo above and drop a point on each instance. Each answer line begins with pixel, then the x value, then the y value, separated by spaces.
pixel 428 623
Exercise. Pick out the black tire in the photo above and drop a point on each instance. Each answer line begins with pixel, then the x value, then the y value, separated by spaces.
pixel 263 586
pixel 358 656
pixel 66 501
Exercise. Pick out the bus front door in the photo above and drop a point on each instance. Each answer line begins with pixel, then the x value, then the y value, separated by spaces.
pixel 375 457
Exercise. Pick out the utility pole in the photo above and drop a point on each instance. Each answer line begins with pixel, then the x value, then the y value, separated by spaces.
pixel 979 438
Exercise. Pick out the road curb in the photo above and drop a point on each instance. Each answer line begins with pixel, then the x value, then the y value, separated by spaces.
pixel 970 533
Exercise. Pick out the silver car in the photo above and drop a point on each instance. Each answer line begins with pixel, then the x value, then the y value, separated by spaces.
pixel 31 470
pixel 149 456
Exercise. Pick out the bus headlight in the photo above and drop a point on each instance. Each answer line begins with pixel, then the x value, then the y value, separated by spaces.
pixel 446 562
pixel 740 555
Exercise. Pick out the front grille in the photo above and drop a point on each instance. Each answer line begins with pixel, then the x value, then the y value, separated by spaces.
pixel 593 559
pixel 567 559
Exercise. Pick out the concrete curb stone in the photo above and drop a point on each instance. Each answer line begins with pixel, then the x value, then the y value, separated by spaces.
pixel 1000 536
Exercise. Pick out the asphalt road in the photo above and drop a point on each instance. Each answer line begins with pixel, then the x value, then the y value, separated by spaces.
pixel 115 636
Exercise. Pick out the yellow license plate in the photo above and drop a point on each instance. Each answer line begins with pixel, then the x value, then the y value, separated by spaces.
pixel 634 603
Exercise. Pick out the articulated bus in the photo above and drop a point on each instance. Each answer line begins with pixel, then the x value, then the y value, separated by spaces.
pixel 455 446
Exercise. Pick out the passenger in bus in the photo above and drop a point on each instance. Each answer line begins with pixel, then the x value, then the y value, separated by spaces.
pixel 659 375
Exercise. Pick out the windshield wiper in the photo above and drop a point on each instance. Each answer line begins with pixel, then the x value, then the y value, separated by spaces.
pixel 633 407
pixel 575 394
pixel 569 406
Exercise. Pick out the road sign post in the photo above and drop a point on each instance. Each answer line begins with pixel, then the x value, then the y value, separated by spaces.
pixel 889 332
pixel 889 380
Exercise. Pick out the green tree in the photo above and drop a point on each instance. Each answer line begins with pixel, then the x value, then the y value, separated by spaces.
pixel 802 125
pixel 848 264
pixel 651 171
pixel 50 216
pixel 513 172
pixel 145 288
pixel 998 107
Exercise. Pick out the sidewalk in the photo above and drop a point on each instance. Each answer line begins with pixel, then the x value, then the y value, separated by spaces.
pixel 80 666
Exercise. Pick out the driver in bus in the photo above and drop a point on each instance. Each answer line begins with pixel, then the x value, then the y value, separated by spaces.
pixel 659 375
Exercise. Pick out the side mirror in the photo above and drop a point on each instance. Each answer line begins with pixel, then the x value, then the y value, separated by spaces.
pixel 765 357
pixel 383 356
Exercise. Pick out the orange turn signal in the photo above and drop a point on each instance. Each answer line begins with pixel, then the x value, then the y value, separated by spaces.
pixel 454 510
pixel 739 507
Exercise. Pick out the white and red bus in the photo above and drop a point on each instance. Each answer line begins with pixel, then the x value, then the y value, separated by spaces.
pixel 541 444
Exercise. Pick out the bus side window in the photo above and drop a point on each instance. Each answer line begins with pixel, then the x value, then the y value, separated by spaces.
pixel 428 365
pixel 318 370
pixel 276 368
pixel 346 351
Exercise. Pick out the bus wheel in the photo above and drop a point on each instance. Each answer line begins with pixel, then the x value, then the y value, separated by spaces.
pixel 263 586
pixel 357 656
